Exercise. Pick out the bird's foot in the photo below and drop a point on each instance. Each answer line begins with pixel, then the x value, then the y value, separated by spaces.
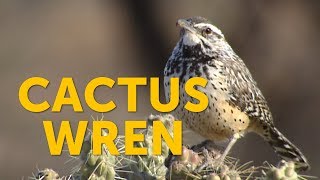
pixel 207 160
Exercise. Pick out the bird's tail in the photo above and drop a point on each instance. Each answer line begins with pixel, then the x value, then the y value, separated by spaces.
pixel 285 149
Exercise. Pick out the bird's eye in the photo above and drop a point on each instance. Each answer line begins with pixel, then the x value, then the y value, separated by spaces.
pixel 208 31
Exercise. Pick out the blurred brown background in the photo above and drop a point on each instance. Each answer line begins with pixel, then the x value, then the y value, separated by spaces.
pixel 279 41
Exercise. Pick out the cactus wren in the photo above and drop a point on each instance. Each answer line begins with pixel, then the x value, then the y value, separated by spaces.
pixel 236 105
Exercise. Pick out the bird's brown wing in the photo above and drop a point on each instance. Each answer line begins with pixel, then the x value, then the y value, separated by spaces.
pixel 245 94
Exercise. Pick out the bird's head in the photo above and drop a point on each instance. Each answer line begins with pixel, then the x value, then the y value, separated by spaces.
pixel 199 31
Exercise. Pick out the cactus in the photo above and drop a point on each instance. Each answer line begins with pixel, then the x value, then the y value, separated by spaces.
pixel 165 166
pixel 150 166
pixel 285 171
pixel 187 166
pixel 95 167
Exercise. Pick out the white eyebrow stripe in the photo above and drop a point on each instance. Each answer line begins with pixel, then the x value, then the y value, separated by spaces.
pixel 212 27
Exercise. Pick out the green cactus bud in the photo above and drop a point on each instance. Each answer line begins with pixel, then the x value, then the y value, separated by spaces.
pixel 85 170
pixel 289 172
pixel 92 159
pixel 213 177
pixel 226 177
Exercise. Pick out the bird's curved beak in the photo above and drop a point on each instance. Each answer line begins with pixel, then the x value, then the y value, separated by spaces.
pixel 184 24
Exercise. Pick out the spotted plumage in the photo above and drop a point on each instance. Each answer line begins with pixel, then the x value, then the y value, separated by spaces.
pixel 236 104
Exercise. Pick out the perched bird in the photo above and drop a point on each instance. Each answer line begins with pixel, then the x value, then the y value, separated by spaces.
pixel 236 104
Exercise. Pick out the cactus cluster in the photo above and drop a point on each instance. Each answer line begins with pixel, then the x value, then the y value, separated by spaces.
pixel 150 166
pixel 194 163
pixel 95 167
pixel 285 171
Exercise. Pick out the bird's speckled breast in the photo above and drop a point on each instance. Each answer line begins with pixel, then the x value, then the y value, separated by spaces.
pixel 220 120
